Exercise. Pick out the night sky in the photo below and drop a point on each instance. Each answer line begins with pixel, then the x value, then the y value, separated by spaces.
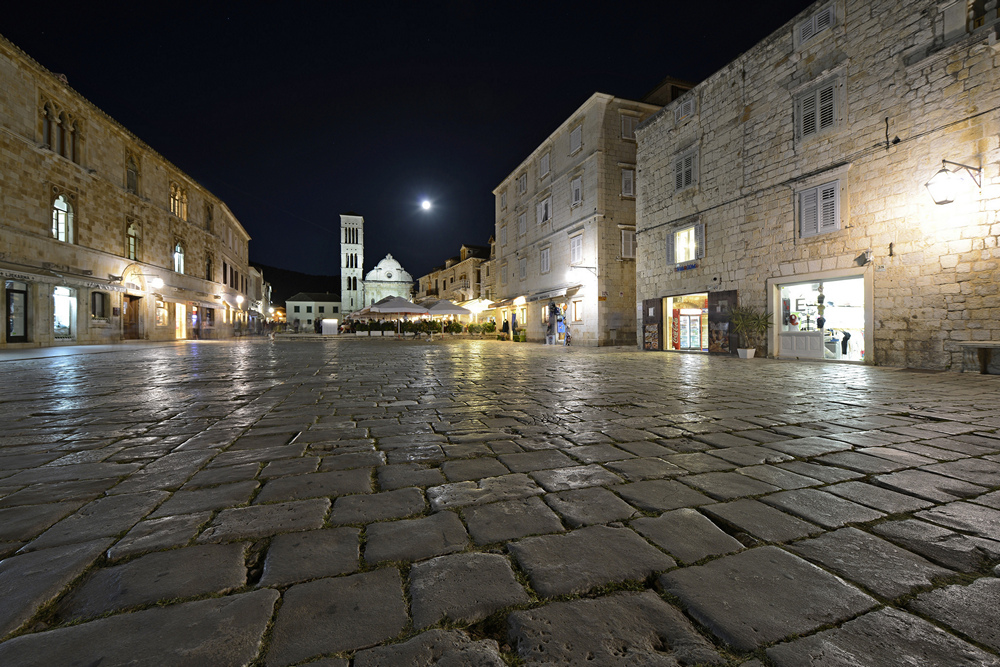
pixel 295 112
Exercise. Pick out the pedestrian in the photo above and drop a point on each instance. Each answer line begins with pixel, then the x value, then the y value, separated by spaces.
pixel 505 329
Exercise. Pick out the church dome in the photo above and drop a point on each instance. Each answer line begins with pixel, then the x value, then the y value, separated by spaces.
pixel 389 270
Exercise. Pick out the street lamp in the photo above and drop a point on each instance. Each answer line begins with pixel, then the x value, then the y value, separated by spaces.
pixel 944 185
pixel 239 300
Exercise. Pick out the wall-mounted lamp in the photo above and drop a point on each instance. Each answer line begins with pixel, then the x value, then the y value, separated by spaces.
pixel 864 258
pixel 239 300
pixel 115 279
pixel 156 283
pixel 944 185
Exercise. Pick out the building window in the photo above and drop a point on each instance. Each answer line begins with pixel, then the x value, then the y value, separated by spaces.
pixel 543 265
pixel 816 110
pixel 684 109
pixel 685 170
pixel 578 311
pixel 543 166
pixel 162 315
pixel 686 244
pixel 628 182
pixel 576 191
pixel 543 210
pixel 209 215
pixel 178 258
pixel 62 219
pixel 131 175
pixel 628 244
pixel 209 273
pixel 503 235
pixel 576 139
pixel 629 124
pixel 503 273
pixel 522 184
pixel 61 132
pixel 208 317
pixel 576 249
pixel 295 309
pixel 522 268
pixel 503 200
pixel 321 309
pixel 335 310
pixel 132 236
pixel 100 306
pixel 178 201
pixel 522 224
pixel 815 24
pixel 819 209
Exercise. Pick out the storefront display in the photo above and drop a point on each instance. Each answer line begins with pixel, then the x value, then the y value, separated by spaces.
pixel 685 322
pixel 823 320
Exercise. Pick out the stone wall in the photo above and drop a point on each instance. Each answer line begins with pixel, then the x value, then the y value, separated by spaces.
pixel 94 180
pixel 906 96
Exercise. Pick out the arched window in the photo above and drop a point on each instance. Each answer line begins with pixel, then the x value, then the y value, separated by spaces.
pixel 131 175
pixel 208 269
pixel 48 124
pixel 132 236
pixel 178 258
pixel 62 220
pixel 178 201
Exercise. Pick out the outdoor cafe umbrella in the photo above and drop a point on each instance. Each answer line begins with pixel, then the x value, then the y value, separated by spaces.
pixel 445 307
pixel 394 305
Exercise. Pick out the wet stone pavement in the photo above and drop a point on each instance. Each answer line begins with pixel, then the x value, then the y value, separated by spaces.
pixel 382 502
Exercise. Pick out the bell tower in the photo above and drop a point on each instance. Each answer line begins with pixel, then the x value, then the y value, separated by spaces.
pixel 352 258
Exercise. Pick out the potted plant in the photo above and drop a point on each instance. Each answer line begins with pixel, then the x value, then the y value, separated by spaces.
pixel 751 325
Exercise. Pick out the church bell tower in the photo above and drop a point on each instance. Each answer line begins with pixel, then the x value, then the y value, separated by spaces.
pixel 352 258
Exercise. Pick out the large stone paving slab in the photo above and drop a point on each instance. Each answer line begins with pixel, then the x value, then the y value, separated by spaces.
pixel 259 521
pixel 890 502
pixel 463 588
pixel 178 573
pixel 878 565
pixel 297 557
pixel 687 535
pixel 621 630
pixel 728 485
pixel 661 495
pixel 202 500
pixel 586 507
pixel 941 545
pixel 576 477
pixel 434 648
pixel 340 614
pixel 29 581
pixel 100 518
pixel 761 521
pixel 923 484
pixel 416 539
pixel 22 523
pixel 885 637
pixel 511 519
pixel 365 508
pixel 583 559
pixel 315 485
pixel 823 508
pixel 156 534
pixel 728 594
pixel 488 490
pixel 976 519
pixel 973 610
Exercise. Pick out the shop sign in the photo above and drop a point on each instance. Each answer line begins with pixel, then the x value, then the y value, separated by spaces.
pixel 686 267
pixel 16 275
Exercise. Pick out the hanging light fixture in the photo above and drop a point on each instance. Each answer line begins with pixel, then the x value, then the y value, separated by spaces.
pixel 944 185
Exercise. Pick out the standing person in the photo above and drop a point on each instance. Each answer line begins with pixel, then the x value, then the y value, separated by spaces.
pixel 513 325
pixel 505 329
pixel 569 338
pixel 550 333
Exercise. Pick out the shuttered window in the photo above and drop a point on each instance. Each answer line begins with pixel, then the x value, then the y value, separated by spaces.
pixel 576 250
pixel 543 210
pixel 628 126
pixel 685 170
pixel 576 139
pixel 543 165
pixel 628 244
pixel 522 224
pixel 819 209
pixel 817 110
pixel 684 109
pixel 628 182
pixel 543 264
pixel 816 24
pixel 686 244
pixel 576 190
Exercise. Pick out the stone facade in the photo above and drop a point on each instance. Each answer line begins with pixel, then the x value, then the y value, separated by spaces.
pixel 101 237
pixel 388 278
pixel 858 102
pixel 565 225
pixel 459 280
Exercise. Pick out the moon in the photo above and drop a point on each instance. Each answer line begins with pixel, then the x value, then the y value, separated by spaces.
pixel 426 205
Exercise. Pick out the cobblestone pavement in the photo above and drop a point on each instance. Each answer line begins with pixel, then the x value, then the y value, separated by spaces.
pixel 382 502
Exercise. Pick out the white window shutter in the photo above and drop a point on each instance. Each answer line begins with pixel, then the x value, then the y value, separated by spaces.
pixel 806 30
pixel 829 207
pixel 808 213
pixel 678 173
pixel 671 255
pixel 825 103
pixel 628 182
pixel 824 20
pixel 807 115
pixel 575 139
pixel 699 240
pixel 538 212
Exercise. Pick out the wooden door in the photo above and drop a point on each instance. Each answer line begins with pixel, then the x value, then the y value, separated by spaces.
pixel 131 306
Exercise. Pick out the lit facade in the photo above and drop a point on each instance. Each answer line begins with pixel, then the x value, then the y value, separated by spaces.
pixel 793 180
pixel 565 227
pixel 101 238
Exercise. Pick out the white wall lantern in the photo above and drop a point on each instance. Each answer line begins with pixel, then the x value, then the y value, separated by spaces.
pixel 944 185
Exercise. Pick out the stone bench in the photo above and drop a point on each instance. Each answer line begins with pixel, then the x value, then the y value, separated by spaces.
pixel 976 354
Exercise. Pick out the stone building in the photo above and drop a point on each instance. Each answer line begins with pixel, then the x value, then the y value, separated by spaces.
pixel 102 238
pixel 565 227
pixel 305 311
pixel 388 278
pixel 460 279
pixel 794 180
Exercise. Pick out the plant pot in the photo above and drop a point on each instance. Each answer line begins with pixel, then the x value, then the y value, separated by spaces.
pixel 746 353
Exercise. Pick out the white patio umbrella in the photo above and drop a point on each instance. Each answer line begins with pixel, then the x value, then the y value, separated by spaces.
pixel 394 305
pixel 445 307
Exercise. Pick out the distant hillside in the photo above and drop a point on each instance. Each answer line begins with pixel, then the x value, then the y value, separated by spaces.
pixel 285 283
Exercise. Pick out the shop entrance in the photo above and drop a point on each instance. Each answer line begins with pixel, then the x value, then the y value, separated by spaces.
pixel 64 313
pixel 685 322
pixel 17 311
pixel 823 319
pixel 180 321
pixel 130 317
